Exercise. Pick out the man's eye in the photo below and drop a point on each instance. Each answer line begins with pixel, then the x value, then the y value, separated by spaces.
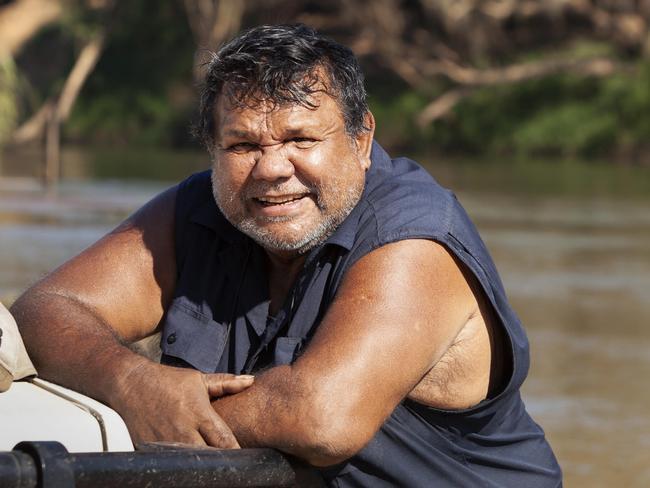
pixel 241 147
pixel 303 142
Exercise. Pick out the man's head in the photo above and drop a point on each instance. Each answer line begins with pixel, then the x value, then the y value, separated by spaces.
pixel 283 64
pixel 284 116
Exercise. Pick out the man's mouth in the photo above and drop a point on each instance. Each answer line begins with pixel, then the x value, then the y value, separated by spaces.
pixel 268 201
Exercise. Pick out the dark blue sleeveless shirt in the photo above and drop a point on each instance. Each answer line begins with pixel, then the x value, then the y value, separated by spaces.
pixel 219 322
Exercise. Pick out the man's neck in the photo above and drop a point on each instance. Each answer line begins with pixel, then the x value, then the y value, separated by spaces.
pixel 283 271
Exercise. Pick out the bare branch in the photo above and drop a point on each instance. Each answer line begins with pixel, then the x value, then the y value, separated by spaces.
pixel 34 127
pixel 84 65
pixel 61 107
pixel 211 23
pixel 441 106
pixel 405 70
pixel 598 66
pixel 194 19
pixel 471 79
pixel 228 21
pixel 21 19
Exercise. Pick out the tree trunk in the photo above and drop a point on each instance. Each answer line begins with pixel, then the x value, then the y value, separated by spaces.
pixel 212 22
pixel 84 65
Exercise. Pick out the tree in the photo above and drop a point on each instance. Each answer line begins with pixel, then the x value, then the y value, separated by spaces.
pixel 461 45
pixel 20 20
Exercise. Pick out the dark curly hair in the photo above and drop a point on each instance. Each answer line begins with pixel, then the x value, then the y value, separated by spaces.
pixel 282 64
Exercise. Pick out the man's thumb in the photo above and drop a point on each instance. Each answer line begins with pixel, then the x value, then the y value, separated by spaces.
pixel 220 384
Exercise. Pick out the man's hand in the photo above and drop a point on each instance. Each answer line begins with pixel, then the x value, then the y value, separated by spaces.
pixel 161 403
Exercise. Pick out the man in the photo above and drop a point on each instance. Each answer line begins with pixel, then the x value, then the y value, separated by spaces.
pixel 353 287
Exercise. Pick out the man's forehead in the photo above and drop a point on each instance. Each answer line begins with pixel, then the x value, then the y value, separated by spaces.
pixel 237 118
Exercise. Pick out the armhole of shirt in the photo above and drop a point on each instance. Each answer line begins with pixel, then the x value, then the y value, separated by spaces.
pixel 512 378
pixel 187 197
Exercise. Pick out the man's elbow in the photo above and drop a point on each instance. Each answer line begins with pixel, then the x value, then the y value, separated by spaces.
pixel 334 438
pixel 322 425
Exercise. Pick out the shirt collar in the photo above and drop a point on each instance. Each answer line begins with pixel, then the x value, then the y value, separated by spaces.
pixel 346 232
pixel 209 215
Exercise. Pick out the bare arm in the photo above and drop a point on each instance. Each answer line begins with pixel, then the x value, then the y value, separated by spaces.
pixel 397 312
pixel 108 295
pixel 77 320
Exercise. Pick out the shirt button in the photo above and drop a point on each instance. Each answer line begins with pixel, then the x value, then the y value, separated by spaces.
pixel 171 338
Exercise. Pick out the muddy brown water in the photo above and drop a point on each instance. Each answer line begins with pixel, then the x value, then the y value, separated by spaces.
pixel 576 266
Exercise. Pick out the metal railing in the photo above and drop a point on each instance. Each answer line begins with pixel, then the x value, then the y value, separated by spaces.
pixel 50 465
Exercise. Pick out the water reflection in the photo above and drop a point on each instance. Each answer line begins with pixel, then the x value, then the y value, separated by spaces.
pixel 38 232
pixel 577 269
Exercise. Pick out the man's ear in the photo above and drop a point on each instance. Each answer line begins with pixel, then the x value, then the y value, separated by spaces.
pixel 364 139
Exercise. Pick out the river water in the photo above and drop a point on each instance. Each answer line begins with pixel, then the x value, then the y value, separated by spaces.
pixel 572 244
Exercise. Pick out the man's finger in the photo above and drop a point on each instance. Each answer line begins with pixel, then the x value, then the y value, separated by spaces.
pixel 189 437
pixel 216 433
pixel 192 438
pixel 226 384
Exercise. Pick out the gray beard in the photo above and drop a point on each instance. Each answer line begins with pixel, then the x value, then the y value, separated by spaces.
pixel 307 242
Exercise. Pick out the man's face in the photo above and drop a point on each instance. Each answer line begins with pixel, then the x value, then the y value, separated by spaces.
pixel 287 176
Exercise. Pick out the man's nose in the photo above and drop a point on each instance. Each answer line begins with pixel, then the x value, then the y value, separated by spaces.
pixel 273 164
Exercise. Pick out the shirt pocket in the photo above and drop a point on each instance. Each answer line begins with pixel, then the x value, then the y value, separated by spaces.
pixel 192 336
pixel 286 349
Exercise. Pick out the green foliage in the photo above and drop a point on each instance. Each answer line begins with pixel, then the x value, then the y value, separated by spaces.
pixel 81 20
pixel 395 118
pixel 568 128
pixel 129 98
pixel 561 115
pixel 142 117
pixel 633 103
pixel 8 110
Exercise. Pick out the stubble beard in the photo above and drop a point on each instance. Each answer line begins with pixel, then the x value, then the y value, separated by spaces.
pixel 301 244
